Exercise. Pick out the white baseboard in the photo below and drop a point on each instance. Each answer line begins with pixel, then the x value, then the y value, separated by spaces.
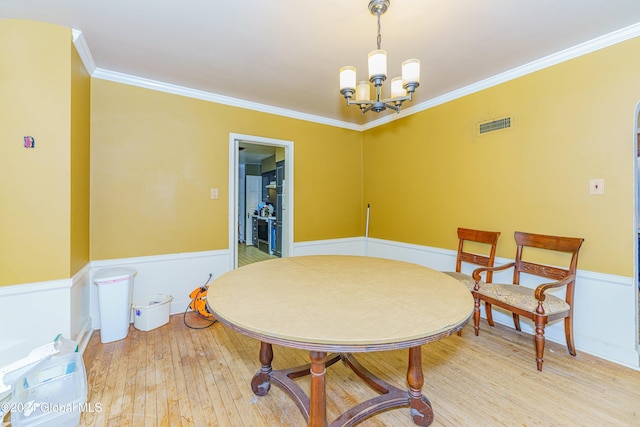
pixel 83 337
pixel 347 246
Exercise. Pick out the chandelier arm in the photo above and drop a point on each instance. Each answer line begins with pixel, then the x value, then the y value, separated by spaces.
pixel 359 102
pixel 364 110
pixel 393 107
pixel 397 99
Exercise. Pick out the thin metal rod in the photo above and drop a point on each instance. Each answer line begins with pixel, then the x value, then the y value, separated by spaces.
pixel 379 39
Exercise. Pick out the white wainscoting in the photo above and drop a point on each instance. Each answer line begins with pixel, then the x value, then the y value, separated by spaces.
pixel 604 325
pixel 349 246
pixel 34 314
pixel 80 316
pixel 175 274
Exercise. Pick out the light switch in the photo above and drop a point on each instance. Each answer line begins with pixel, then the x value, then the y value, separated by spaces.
pixel 596 186
pixel 214 194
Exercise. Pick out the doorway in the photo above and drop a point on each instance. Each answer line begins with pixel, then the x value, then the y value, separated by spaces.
pixel 239 233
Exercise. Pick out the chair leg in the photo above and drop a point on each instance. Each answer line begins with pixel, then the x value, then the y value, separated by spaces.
pixel 540 323
pixel 516 321
pixel 476 314
pixel 489 313
pixel 568 333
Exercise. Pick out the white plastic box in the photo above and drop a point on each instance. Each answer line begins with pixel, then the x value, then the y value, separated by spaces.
pixel 52 394
pixel 153 313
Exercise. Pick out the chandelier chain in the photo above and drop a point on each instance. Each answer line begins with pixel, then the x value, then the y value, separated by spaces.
pixel 379 39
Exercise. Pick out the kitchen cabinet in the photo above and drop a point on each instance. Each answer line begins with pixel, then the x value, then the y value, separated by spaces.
pixel 267 179
pixel 278 237
pixel 279 175
pixel 254 234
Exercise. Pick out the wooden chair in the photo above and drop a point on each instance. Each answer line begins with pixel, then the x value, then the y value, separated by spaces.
pixel 534 304
pixel 478 236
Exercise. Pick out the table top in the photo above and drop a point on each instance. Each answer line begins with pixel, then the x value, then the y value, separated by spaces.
pixel 340 303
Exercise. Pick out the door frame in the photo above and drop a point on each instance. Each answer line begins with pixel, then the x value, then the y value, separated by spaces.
pixel 287 241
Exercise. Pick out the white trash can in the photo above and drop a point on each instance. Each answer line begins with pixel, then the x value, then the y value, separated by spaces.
pixel 115 287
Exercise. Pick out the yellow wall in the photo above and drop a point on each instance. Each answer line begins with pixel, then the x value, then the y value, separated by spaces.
pixel 269 164
pixel 34 183
pixel 154 157
pixel 429 173
pixel 80 134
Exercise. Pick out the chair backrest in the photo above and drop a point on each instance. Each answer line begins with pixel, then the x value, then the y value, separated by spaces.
pixel 569 245
pixel 478 236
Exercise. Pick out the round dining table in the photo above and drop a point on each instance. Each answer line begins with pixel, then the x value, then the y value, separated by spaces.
pixel 334 306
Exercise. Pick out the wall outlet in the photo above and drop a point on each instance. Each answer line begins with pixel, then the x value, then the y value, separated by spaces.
pixel 214 194
pixel 596 186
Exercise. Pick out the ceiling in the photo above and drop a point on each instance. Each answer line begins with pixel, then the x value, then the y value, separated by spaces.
pixel 286 54
pixel 251 153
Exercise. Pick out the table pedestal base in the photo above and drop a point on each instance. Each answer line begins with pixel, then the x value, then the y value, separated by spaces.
pixel 313 407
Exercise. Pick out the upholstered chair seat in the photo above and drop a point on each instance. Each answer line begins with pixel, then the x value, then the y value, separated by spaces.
pixel 523 298
pixel 465 279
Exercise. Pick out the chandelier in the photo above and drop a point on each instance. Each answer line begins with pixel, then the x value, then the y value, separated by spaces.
pixel 402 88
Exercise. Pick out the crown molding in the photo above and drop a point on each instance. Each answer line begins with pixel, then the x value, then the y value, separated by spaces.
pixel 213 97
pixel 593 45
pixel 83 50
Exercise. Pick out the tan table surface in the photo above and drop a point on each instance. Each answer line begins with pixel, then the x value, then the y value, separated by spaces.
pixel 353 302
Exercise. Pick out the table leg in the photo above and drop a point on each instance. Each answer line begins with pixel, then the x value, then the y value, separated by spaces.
pixel 421 411
pixel 313 406
pixel 260 383
pixel 318 409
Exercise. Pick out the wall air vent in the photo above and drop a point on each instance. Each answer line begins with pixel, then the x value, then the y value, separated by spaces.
pixel 494 125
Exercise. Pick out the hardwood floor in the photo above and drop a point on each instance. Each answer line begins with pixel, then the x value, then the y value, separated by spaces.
pixel 176 376
pixel 248 254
